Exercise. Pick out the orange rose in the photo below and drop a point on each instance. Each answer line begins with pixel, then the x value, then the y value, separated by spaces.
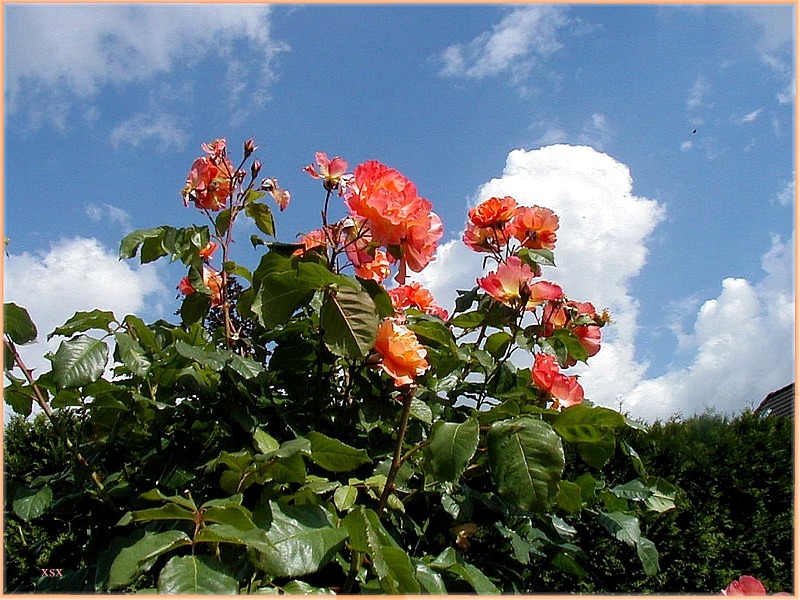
pixel 404 358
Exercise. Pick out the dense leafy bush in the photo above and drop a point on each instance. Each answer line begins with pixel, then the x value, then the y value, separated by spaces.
pixel 734 509
pixel 307 426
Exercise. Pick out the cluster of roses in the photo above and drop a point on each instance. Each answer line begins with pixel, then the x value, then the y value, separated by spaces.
pixel 389 225
pixel 389 222
pixel 501 228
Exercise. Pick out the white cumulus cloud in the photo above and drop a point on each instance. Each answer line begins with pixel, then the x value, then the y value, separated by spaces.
pixel 743 343
pixel 740 345
pixel 77 275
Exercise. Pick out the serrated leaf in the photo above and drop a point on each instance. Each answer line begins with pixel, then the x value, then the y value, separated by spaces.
pixel 132 354
pixel 335 456
pixel 349 320
pixel 648 554
pixel 131 242
pixel 345 497
pixel 527 460
pixel 196 575
pixel 303 540
pixel 623 526
pixel 133 560
pixel 581 423
pixel 451 447
pixel 265 443
pixel 79 361
pixel 30 504
pixel 262 216
pixel 17 324
pixel 84 321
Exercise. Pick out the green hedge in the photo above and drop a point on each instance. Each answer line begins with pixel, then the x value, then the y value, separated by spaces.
pixel 734 514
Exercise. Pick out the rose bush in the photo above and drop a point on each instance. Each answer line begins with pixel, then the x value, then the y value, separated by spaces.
pixel 307 426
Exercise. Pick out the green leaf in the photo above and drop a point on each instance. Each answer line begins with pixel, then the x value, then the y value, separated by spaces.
pixel 17 324
pixel 282 292
pixel 135 559
pixel 623 526
pixel 345 497
pixel 233 515
pixel 390 562
pixel 168 512
pixel 220 533
pixel 335 456
pixel 636 460
pixel 30 504
pixel 244 366
pixel 303 539
pixel 657 494
pixel 265 443
pixel 533 257
pixel 648 554
pixel 581 423
pixel 156 495
pixel 132 354
pixel 196 575
pixel 84 321
pixel 131 242
pixel 222 221
pixel 349 321
pixel 497 344
pixel 597 454
pixel 526 459
pixel 451 447
pixel 79 361
pixel 262 216
pixel 421 411
pixel 211 358
pixel 569 497
pixel 449 561
pixel 434 332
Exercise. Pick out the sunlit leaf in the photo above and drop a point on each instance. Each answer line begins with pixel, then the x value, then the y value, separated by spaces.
pixel 527 460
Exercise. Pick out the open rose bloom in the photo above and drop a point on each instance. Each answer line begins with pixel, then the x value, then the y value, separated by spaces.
pixel 402 356
pixel 210 178
pixel 512 284
pixel 747 585
pixel 386 204
pixel 213 281
pixel 547 375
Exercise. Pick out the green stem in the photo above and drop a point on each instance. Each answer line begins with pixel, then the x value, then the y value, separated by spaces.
pixel 397 459
pixel 42 402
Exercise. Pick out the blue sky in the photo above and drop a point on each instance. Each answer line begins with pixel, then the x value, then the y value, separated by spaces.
pixel 663 136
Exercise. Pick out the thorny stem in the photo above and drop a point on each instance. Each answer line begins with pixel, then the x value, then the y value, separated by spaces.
pixel 42 402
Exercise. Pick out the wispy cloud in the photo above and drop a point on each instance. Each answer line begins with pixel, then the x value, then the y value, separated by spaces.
pixel 513 46
pixel 157 130
pixel 81 49
pixel 99 213
pixel 749 117
pixel 595 131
